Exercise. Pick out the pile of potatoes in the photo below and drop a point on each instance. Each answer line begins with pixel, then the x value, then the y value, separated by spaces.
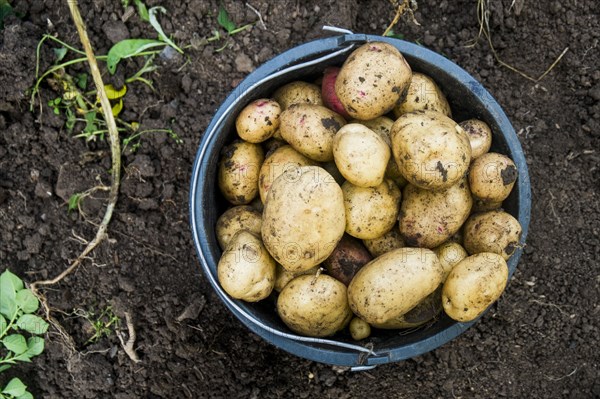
pixel 357 201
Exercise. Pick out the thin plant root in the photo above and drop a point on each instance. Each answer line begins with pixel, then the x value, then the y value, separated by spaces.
pixel 129 346
pixel 401 8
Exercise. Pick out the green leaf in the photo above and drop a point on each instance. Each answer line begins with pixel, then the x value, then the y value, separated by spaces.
pixel 17 283
pixel 3 325
pixel 26 395
pixel 59 53
pixel 15 343
pixel 395 35
pixel 35 346
pixel 73 203
pixel 82 80
pixel 27 301
pixel 142 10
pixel 4 367
pixel 128 48
pixel 224 20
pixel 5 10
pixel 9 285
pixel 161 35
pixel 32 324
pixel 15 387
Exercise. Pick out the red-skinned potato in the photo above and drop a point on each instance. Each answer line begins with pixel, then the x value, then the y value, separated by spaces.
pixel 330 99
pixel 346 259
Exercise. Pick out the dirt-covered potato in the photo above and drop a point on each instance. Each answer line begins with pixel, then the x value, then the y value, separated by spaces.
pixel 371 211
pixel 449 254
pixel 304 218
pixel 330 99
pixel 473 285
pixel 492 177
pixel 258 120
pixel 428 218
pixel 239 168
pixel 282 159
pixel 394 283
pixel 480 136
pixel 310 129
pixel 346 259
pixel 494 231
pixel 316 306
pixel 298 92
pixel 423 94
pixel 242 217
pixel 359 329
pixel 361 155
pixel 431 150
pixel 283 276
pixel 246 270
pixel 483 206
pixel 424 312
pixel 385 243
pixel 372 80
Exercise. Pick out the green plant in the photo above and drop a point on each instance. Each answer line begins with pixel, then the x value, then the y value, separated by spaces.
pixel 102 325
pixel 17 320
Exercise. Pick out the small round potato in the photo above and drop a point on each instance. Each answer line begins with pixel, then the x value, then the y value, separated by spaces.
pixel 394 283
pixel 371 211
pixel 243 217
pixel 282 276
pixel 359 329
pixel 480 136
pixel 492 177
pixel 431 150
pixel 304 218
pixel 425 311
pixel 246 270
pixel 346 259
pixel 387 242
pixel 372 80
pixel 316 306
pixel 238 171
pixel 298 92
pixel 428 218
pixel 423 94
pixel 310 129
pixel 258 120
pixel 494 231
pixel 361 155
pixel 449 254
pixel 473 285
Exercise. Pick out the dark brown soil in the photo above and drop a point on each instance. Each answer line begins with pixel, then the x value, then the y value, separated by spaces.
pixel 540 341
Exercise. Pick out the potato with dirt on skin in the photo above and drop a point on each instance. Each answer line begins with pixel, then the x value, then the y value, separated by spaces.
pixel 423 94
pixel 428 218
pixel 450 254
pixel 480 136
pixel 246 270
pixel 298 92
pixel 239 168
pixel 371 211
pixel 372 80
pixel 492 177
pixel 424 312
pixel 473 285
pixel 304 218
pixel 258 120
pixel 242 217
pixel 346 259
pixel 380 245
pixel 359 329
pixel 310 129
pixel 282 276
pixel 494 231
pixel 484 206
pixel 316 306
pixel 432 151
pixel 394 283
pixel 361 155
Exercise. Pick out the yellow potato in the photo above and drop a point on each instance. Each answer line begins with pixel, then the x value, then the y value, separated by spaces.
pixel 282 276
pixel 450 254
pixel 425 311
pixel 239 168
pixel 258 120
pixel 298 92
pixel 494 231
pixel 480 136
pixel 492 177
pixel 385 243
pixel 423 94
pixel 242 217
pixel 359 329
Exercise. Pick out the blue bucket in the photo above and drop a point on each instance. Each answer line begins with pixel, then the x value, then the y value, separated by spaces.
pixel 469 99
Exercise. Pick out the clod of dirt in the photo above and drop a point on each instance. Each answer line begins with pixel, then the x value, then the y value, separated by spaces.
pixel 243 63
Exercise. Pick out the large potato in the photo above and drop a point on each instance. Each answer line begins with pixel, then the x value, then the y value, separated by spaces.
pixel 243 217
pixel 473 285
pixel 361 155
pixel 372 80
pixel 431 150
pixel 492 177
pixel 310 129
pixel 239 168
pixel 371 211
pixel 246 270
pixel 425 311
pixel 304 218
pixel 298 92
pixel 494 231
pixel 450 254
pixel 316 306
pixel 428 218
pixel 423 94
pixel 346 259
pixel 394 283
pixel 385 243
pixel 480 136
pixel 258 120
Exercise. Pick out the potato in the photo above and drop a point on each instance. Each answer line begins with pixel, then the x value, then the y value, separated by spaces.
pixel 258 120
pixel 449 254
pixel 239 168
pixel 361 155
pixel 473 285
pixel 385 243
pixel 494 231
pixel 394 283
pixel 282 276
pixel 423 94
pixel 483 206
pixel 428 218
pixel 431 150
pixel 246 270
pixel 492 177
pixel 480 136
pixel 371 211
pixel 330 99
pixel 372 80
pixel 332 169
pixel 359 329
pixel 304 218
pixel 310 129
pixel 425 311
pixel 346 259
pixel 316 306
pixel 242 217
pixel 282 159
pixel 298 92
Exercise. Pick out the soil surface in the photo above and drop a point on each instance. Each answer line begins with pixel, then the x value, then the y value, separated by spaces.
pixel 540 340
